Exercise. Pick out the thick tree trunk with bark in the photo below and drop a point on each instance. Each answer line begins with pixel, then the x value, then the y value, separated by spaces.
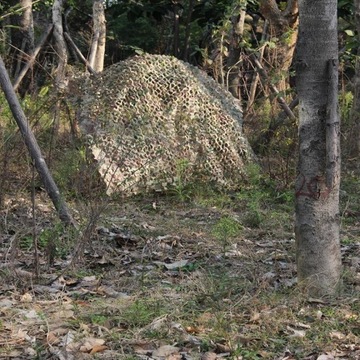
pixel 317 184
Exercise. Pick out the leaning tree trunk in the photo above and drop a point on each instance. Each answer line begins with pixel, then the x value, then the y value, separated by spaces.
pixel 33 147
pixel 317 184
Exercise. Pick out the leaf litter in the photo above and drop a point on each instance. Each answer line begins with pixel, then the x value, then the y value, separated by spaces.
pixel 155 283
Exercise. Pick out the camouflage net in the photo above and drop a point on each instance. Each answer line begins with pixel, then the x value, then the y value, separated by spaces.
pixel 154 123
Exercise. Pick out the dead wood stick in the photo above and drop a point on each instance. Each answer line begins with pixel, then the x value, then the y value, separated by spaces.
pixel 264 76
pixel 34 149
pixel 78 52
pixel 33 56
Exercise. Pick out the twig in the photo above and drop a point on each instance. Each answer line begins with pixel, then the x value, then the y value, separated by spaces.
pixel 33 57
pixel 272 87
pixel 78 52
pixel 34 149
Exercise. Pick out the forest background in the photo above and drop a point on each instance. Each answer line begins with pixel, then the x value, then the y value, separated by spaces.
pixel 249 48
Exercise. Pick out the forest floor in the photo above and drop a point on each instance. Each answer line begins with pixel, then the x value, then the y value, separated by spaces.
pixel 207 276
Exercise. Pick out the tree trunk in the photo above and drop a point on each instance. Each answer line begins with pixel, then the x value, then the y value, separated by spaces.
pixel 176 29
pixel 97 52
pixel 33 147
pixel 188 30
pixel 60 45
pixel 31 59
pixel 233 61
pixel 22 41
pixel 355 140
pixel 283 27
pixel 317 184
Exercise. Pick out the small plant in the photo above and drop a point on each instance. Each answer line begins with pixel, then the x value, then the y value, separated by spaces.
pixel 141 312
pixel 346 99
pixel 56 241
pixel 181 188
pixel 98 319
pixel 253 196
pixel 225 230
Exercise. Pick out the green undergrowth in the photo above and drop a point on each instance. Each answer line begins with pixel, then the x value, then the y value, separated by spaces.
pixel 237 293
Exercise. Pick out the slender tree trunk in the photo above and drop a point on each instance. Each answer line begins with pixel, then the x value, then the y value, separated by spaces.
pixel 79 53
pixel 188 30
pixel 317 184
pixel 283 26
pixel 60 45
pixel 33 147
pixel 97 52
pixel 176 28
pixel 22 40
pixel 31 60
pixel 256 76
pixel 355 140
pixel 233 61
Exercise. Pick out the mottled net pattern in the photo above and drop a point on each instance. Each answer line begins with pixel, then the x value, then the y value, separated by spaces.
pixel 154 123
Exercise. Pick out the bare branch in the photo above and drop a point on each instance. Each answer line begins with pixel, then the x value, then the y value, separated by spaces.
pixel 33 147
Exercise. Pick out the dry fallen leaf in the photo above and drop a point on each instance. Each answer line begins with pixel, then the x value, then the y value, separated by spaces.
pixel 165 351
pixel 26 298
pixel 98 348
pixel 208 356
pixel 325 357
pixel 143 348
pixel 255 316
pixel 174 357
pixel 90 342
pixel 194 329
pixel 296 333
pixel 31 314
pixel 52 339
pixel 336 335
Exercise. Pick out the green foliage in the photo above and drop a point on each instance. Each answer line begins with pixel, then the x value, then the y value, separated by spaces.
pixel 253 196
pixel 57 241
pixel 259 196
pixel 141 312
pixel 225 230
pixel 346 99
pixel 138 34
pixel 181 188
pixel 67 171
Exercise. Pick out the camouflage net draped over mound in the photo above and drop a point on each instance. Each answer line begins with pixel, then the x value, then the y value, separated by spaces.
pixel 154 122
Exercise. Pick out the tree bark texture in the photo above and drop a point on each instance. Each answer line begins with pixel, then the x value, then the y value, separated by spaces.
pixel 233 61
pixel 355 140
pixel 60 45
pixel 97 52
pixel 317 184
pixel 33 147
